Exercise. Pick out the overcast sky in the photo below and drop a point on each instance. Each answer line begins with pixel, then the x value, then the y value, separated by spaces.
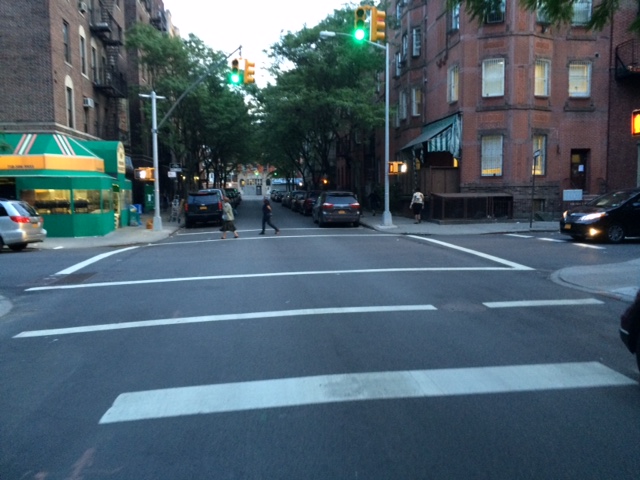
pixel 254 24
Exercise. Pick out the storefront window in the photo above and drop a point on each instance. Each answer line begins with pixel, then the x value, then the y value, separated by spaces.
pixel 49 202
pixel 86 201
pixel 106 201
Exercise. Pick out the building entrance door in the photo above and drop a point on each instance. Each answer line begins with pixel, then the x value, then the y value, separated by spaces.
pixel 578 177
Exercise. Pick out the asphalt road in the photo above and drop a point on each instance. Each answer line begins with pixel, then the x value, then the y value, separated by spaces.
pixel 318 354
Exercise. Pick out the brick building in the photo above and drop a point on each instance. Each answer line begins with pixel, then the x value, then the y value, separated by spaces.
pixel 480 105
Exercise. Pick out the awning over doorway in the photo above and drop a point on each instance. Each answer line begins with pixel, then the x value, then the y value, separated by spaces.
pixel 46 144
pixel 440 136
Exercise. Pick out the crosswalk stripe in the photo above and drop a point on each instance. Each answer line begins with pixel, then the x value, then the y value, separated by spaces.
pixel 326 389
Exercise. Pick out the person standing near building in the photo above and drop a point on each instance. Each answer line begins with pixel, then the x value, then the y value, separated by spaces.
pixel 417 204
pixel 227 219
pixel 266 216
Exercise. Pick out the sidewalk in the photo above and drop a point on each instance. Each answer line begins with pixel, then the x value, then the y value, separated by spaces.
pixel 619 281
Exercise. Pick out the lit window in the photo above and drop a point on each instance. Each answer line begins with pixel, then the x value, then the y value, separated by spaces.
pixel 580 79
pixel 493 77
pixel 539 154
pixel 541 86
pixel 452 84
pixel 492 156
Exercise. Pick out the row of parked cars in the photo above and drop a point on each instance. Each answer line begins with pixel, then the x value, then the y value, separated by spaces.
pixel 325 207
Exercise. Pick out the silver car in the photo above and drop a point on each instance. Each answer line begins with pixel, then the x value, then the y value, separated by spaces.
pixel 336 207
pixel 20 225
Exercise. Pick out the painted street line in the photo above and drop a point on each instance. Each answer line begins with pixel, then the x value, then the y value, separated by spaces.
pixel 95 259
pixel 543 303
pixel 223 318
pixel 556 240
pixel 325 389
pixel 517 235
pixel 246 276
pixel 514 266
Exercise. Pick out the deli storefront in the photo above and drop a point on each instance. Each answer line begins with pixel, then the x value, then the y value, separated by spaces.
pixel 79 187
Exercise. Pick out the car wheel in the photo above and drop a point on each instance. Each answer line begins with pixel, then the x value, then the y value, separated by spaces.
pixel 615 233
pixel 17 247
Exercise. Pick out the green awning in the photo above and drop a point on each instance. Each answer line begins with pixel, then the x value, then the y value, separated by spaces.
pixel 443 135
pixel 45 144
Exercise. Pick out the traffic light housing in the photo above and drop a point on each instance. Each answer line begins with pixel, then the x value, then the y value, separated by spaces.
pixel 249 72
pixel 378 25
pixel 234 77
pixel 359 23
pixel 635 122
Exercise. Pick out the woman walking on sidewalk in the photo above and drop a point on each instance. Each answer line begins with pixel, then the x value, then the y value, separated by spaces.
pixel 227 219
pixel 266 216
pixel 417 204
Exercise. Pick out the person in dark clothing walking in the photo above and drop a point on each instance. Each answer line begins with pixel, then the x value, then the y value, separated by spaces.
pixel 266 216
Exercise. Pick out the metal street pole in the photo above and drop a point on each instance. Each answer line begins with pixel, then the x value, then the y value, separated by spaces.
pixel 157 219
pixel 386 215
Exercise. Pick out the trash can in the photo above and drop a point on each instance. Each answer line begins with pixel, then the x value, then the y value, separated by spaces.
pixel 134 215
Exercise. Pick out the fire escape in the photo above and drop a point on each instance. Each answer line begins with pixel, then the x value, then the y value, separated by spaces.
pixel 111 81
pixel 628 60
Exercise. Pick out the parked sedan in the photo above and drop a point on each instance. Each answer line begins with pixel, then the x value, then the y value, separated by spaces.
pixel 611 217
pixel 289 196
pixel 308 202
pixel 336 207
pixel 20 225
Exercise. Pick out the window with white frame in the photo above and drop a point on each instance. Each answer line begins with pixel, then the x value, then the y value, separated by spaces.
pixel 581 12
pixel 402 105
pixel 541 14
pixel 405 45
pixel 497 15
pixel 398 64
pixel 493 77
pixel 453 79
pixel 399 10
pixel 416 101
pixel 491 156
pixel 416 35
pixel 83 55
pixel 539 154
pixel 455 18
pixel 580 79
pixel 541 82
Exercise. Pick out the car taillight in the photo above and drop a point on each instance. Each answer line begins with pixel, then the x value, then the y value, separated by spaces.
pixel 20 219
pixel 327 206
pixel 355 206
pixel 186 207
pixel 219 205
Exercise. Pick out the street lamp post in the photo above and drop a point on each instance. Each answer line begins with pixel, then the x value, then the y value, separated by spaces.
pixel 157 219
pixel 386 215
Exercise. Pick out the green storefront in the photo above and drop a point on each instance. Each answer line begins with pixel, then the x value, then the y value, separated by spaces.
pixel 79 187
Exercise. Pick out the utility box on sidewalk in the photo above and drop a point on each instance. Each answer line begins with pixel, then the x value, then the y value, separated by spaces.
pixel 149 198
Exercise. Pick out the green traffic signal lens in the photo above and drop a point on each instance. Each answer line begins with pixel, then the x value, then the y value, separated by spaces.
pixel 235 78
pixel 359 34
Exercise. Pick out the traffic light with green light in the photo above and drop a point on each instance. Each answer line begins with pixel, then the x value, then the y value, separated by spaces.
pixel 234 77
pixel 360 22
pixel 249 72
pixel 378 25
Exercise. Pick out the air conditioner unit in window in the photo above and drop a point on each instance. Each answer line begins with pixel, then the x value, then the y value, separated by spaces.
pixel 88 102
pixel 82 6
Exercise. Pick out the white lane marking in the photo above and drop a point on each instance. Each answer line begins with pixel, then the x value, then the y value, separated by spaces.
pixel 518 235
pixel 595 247
pixel 273 274
pixel 513 265
pixel 543 303
pixel 97 258
pixel 556 240
pixel 323 389
pixel 222 318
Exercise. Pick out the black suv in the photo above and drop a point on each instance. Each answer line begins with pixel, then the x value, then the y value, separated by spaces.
pixel 203 206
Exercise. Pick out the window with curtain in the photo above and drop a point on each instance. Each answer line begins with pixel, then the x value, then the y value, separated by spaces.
pixel 452 84
pixel 493 77
pixel 539 154
pixel 579 79
pixel 491 160
pixel 541 84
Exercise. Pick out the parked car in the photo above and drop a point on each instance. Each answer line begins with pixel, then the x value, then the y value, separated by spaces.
pixel 336 207
pixel 288 197
pixel 613 217
pixel 204 206
pixel 20 225
pixel 308 202
pixel 630 328
pixel 276 195
pixel 296 202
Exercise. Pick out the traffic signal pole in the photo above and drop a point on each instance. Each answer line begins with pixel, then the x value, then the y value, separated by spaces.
pixel 387 220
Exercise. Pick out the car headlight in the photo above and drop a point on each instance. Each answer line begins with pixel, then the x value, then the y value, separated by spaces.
pixel 592 217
